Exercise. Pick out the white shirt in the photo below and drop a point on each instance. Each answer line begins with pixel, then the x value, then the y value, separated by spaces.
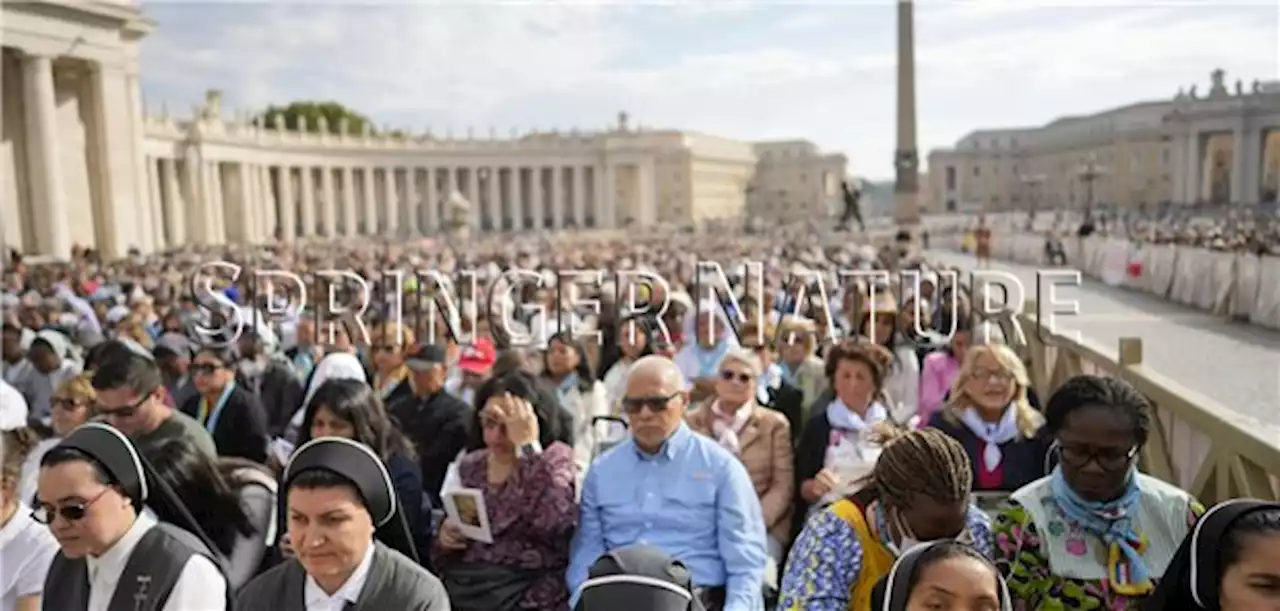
pixel 200 586
pixel 317 600
pixel 26 549
pixel 13 407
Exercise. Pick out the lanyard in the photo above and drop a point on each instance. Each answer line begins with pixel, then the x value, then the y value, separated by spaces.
pixel 210 419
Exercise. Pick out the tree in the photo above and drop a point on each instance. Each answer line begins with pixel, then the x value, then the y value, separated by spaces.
pixel 332 112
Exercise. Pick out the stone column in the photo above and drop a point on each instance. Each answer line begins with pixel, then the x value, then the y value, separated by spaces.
pixel 329 210
pixel 113 158
pixel 518 211
pixel 579 174
pixel 390 210
pixel 646 214
pixel 175 207
pixel 473 196
pixel 288 205
pixel 154 180
pixel 219 203
pixel 48 195
pixel 906 185
pixel 207 222
pixel 1192 168
pixel 557 197
pixel 1245 163
pixel 307 182
pixel 493 207
pixel 536 198
pixel 370 202
pixel 606 207
pixel 411 199
pixel 271 221
pixel 349 217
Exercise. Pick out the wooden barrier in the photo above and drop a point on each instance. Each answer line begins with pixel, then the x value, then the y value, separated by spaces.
pixel 1196 443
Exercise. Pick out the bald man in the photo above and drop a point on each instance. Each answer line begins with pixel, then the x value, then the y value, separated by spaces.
pixel 673 489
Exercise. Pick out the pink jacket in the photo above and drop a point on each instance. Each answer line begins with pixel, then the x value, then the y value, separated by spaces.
pixel 939 373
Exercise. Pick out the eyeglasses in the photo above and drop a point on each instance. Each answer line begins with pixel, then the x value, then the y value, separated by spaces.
pixel 127 411
pixel 67 403
pixel 490 423
pixel 985 375
pixel 71 512
pixel 657 404
pixel 1110 459
pixel 730 376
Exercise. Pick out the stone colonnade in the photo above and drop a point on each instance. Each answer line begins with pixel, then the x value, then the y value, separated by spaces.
pixel 204 201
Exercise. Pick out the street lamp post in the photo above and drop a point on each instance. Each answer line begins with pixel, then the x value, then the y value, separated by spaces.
pixel 1089 173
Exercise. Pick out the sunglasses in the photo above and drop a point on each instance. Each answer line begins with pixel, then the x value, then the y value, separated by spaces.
pixel 127 411
pixel 71 512
pixel 730 376
pixel 204 369
pixel 657 405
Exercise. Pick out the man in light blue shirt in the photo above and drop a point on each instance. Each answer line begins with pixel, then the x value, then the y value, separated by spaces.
pixel 674 489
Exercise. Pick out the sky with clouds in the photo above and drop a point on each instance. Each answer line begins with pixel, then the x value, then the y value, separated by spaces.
pixel 823 71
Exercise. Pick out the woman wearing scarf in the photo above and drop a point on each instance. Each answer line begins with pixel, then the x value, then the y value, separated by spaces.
pixel 706 342
pixel 989 415
pixel 942 574
pixel 837 447
pixel 340 504
pixel 1227 563
pixel 758 436
pixel 918 492
pixel 48 366
pixel 1095 533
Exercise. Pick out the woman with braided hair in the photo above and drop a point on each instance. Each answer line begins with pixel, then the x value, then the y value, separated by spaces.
pixel 918 491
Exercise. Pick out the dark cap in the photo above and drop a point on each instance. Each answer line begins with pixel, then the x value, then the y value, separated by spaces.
pixel 638 578
pixel 426 356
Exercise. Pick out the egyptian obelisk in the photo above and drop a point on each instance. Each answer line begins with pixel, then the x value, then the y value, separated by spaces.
pixel 906 184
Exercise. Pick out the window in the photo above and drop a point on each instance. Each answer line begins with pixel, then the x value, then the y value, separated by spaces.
pixel 951 177
pixel 977 171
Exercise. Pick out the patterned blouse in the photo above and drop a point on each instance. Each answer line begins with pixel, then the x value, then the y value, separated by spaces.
pixel 826 558
pixel 1032 583
pixel 529 540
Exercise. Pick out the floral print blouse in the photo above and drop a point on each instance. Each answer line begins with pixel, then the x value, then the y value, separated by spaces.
pixel 530 540
pixel 1031 582
pixel 826 558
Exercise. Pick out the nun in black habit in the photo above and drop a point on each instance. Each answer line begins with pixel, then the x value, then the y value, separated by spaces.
pixel 893 592
pixel 1197 577
pixel 143 543
pixel 352 544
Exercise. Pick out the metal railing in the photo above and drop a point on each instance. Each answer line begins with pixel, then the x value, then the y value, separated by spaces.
pixel 1196 443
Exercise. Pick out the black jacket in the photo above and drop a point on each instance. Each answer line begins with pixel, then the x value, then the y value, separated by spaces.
pixel 241 429
pixel 439 427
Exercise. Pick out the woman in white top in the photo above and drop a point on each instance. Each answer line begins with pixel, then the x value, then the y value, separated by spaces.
pixel 839 443
pixel 902 380
pixel 634 336
pixel 566 367
pixel 72 406
pixel 26 546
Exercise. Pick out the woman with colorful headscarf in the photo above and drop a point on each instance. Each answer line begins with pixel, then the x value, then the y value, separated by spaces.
pixel 1094 534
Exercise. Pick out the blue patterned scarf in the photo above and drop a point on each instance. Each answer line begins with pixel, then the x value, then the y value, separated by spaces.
pixel 1113 523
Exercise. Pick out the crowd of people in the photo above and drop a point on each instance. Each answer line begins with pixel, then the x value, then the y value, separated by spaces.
pixel 790 438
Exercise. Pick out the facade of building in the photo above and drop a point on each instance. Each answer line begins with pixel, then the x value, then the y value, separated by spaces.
pixel 82 163
pixel 1220 147
pixel 794 180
